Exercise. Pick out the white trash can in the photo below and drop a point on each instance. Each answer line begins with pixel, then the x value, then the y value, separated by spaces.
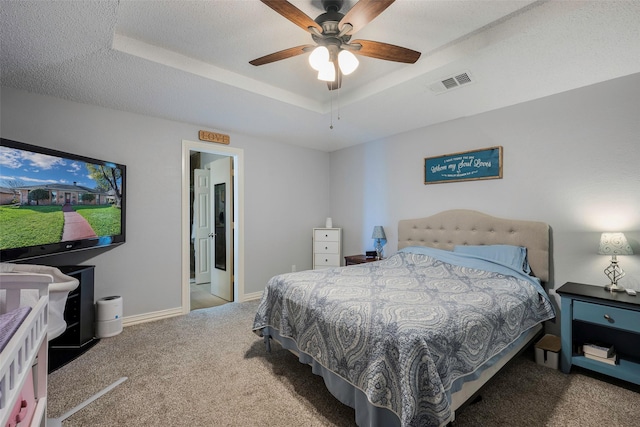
pixel 108 316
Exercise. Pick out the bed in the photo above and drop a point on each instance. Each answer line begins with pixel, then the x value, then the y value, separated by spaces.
pixel 408 340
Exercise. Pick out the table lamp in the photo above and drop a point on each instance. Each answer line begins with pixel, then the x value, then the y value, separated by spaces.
pixel 614 244
pixel 378 234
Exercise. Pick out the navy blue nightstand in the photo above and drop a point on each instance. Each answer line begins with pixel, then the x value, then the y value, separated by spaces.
pixel 592 314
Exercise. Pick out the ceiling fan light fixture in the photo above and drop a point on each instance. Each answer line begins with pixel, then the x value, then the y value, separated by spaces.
pixel 327 73
pixel 332 32
pixel 347 62
pixel 319 57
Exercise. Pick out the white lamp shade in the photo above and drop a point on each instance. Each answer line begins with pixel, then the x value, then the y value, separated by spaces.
pixel 319 57
pixel 347 62
pixel 327 73
pixel 614 244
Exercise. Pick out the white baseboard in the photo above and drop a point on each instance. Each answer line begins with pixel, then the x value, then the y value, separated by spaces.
pixel 151 317
pixel 252 296
pixel 172 312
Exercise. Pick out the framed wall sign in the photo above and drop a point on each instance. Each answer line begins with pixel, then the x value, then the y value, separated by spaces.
pixel 485 163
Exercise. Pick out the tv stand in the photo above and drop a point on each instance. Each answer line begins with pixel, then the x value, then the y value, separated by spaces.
pixel 79 315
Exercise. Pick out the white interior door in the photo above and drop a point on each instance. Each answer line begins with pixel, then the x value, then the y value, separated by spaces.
pixel 222 223
pixel 202 225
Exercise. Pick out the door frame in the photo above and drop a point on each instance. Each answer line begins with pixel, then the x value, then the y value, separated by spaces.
pixel 237 154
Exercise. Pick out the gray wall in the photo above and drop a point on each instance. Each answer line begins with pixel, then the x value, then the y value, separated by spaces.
pixel 571 160
pixel 286 195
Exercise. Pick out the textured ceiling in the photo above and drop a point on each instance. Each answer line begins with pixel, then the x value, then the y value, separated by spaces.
pixel 188 61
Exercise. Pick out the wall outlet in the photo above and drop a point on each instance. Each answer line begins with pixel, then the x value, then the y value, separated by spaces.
pixel 293 268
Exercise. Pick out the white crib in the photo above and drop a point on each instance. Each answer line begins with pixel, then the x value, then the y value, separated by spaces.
pixel 25 355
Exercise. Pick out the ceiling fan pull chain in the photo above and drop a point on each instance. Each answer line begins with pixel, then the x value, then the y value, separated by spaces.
pixel 331 105
pixel 339 91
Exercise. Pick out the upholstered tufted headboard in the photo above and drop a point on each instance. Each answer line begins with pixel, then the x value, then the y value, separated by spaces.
pixel 466 227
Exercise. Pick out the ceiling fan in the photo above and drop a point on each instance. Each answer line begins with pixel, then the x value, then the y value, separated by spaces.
pixel 332 55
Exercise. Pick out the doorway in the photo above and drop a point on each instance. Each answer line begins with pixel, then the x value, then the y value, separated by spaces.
pixel 213 224
pixel 211 244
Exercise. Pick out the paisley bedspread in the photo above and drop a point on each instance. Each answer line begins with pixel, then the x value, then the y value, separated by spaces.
pixel 402 330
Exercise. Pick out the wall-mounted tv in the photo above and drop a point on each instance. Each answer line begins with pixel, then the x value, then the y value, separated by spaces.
pixel 53 202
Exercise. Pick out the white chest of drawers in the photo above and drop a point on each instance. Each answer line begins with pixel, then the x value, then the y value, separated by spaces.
pixel 327 247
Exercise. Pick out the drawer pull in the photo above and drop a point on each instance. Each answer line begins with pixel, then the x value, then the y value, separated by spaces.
pixel 606 316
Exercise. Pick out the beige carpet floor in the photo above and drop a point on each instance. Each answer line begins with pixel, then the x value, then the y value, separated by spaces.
pixel 208 369
pixel 201 297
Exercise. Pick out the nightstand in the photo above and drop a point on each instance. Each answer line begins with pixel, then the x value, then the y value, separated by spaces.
pixel 357 259
pixel 592 314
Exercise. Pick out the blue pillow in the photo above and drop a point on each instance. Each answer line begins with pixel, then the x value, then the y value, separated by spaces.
pixel 514 257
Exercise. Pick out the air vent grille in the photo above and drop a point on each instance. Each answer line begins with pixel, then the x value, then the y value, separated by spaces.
pixel 451 82
pixel 463 78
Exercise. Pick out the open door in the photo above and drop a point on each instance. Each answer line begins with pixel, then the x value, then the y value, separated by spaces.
pixel 202 229
pixel 196 155
pixel 222 209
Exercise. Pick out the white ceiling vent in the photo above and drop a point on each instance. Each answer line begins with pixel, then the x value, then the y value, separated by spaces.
pixel 451 82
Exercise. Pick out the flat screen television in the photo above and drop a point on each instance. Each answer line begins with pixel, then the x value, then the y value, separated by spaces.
pixel 53 202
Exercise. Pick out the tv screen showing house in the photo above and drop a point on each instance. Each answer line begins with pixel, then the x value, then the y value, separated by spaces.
pixel 52 202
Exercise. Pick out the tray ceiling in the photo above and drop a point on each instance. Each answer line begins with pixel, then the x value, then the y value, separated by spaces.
pixel 189 61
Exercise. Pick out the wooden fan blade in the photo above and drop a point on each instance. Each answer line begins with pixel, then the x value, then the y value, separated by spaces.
pixel 283 54
pixel 337 83
pixel 364 12
pixel 386 51
pixel 293 14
